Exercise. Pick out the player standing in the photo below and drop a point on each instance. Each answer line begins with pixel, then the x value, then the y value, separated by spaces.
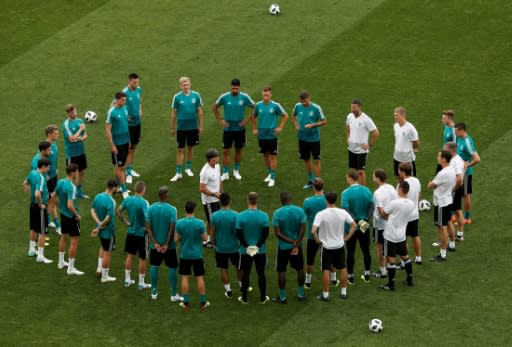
pixel 456 207
pixel 406 141
pixel 210 186
pixel 52 135
pixel 134 106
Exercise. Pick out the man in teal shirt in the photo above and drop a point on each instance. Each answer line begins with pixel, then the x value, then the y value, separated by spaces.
pixel 52 135
pixel 289 222
pixel 191 232
pixel 134 106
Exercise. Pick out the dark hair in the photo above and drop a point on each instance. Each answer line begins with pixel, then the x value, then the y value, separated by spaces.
pixel 285 197
pixel 212 153
pixel 303 95
pixel 43 162
pixel 460 126
pixel 225 199
pixel 112 183
pixel 252 198
pixel 190 206
pixel 381 175
pixel 447 156
pixel 119 95
pixel 266 89
pixel 357 102
pixel 318 184
pixel 403 186
pixel 406 168
pixel 235 82
pixel 133 76
pixel 71 168
pixel 43 145
pixel 449 113
pixel 352 173
pixel 331 197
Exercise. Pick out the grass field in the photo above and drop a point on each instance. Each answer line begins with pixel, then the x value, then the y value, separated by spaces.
pixel 424 55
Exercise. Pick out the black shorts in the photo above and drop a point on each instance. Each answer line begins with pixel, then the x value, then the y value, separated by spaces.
pixel 51 184
pixel 69 225
pixel 134 134
pixel 357 160
pixel 80 160
pixel 187 137
pixel 108 245
pixel 378 235
pixel 285 255
pixel 38 219
pixel 268 146
pixel 137 244
pixel 311 249
pixel 169 257
pixel 210 208
pixel 119 159
pixel 396 163
pixel 468 184
pixel 332 258
pixel 187 265
pixel 391 249
pixel 229 137
pixel 442 215
pixel 223 259
pixel 309 149
pixel 412 228
pixel 457 199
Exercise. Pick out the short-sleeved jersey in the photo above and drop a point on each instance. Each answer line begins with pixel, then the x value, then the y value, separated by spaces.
pixel 136 207
pixel 414 195
pixel 445 181
pixel 360 128
pixel 266 115
pixel 37 182
pixel 358 201
pixel 186 109
pixel 191 230
pixel 33 163
pixel 118 118
pixel 330 223
pixel 224 223
pixel 211 177
pixel 66 191
pixel 104 205
pixel 288 219
pixel 252 222
pixel 404 136
pixel 449 134
pixel 381 198
pixel 399 211
pixel 54 160
pixel 313 205
pixel 234 109
pixel 466 149
pixel 133 97
pixel 308 115
pixel 161 215
pixel 458 164
pixel 70 127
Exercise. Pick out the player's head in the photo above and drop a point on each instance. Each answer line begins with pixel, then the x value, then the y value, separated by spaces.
pixel 190 206
pixel 379 176
pixel 112 184
pixel 225 199
pixel 352 176
pixel 266 93
pixel 448 117
pixel 331 197
pixel 451 147
pixel 252 198
pixel 304 98
pixel 71 169
pixel 403 187
pixel 404 170
pixel 133 80
pixel 70 111
pixel 120 98
pixel 400 113
pixel 318 184
pixel 184 84
pixel 460 129
pixel 52 132
pixel 355 106
pixel 212 156
pixel 140 187
pixel 45 148
pixel 286 197
pixel 444 157
pixel 43 165
pixel 163 193
pixel 235 86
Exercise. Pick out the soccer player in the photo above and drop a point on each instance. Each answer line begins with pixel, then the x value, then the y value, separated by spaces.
pixel 102 211
pixel 160 225
pixel 187 110
pixel 210 186
pixel 382 196
pixel 136 238
pixel 134 105
pixel 190 231
pixel 289 222
pixel 52 135
pixel 252 227
pixel 235 103
pixel 412 230
pixel 358 201
pixel 443 185
pixel 398 213
pixel 75 134
pixel 406 141
pixel 467 151
pixel 36 184
pixel 45 152
pixel 448 120
pixel 227 247
pixel 264 125
pixel 70 218
pixel 308 117
pixel 358 127
pixel 456 208
pixel 118 136
pixel 329 231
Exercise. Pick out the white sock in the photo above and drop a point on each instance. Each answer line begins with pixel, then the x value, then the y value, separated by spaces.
pixel 240 284
pixel 71 264
pixel 227 287
pixel 100 264
pixel 402 263
pixel 418 258
pixel 460 233
pixel 209 240
pixel 451 244
pixel 308 278
pixel 367 272
pixel 31 246
pixel 61 257
pixel 325 294
pixel 127 277
pixel 443 253
pixel 141 279
pixel 344 291
pixel 383 270
pixel 333 276
pixel 104 272
pixel 40 252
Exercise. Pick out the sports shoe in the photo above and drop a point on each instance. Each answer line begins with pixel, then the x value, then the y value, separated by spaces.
pixel 365 278
pixel 154 294
pixel 125 195
pixel 418 262
pixel 208 244
pixel 82 195
pixel 408 282
pixel 264 301
pixel 58 230
pixel 307 285
pixel 229 294
pixel 459 237
pixel 98 272
pixel 190 174
pixel 224 177
pixel 380 275
pixel 343 296
pixel 237 175
pixel 301 298
pixel 322 298
pixel 107 279
pixel 176 177
pixel 144 286
pixel 129 179
pixel 43 260
pixel 205 305
pixel 336 283
pixel 436 243
pixel 438 258
pixel 176 298
pixel 278 300
pixel 268 178
pixel 468 221
pixel 135 173
pixel 128 283
pixel 452 249
pixel 120 190
pixel 351 280
pixel 242 301
pixel 387 288
pixel 308 185
pixel 51 225
pixel 31 253
pixel 74 271
pixel 271 183
pixel 185 306
pixel 62 265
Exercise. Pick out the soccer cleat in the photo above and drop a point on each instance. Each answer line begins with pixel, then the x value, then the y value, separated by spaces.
pixel 47 238
pixel 351 280
pixel 459 237
pixel 387 288
pixel 189 174
pixel 242 301
pixel 343 296
pixel 143 286
pixel 129 179
pixel 205 305
pixel 380 275
pixel 43 260
pixel 82 195
pixel 229 294
pixel 336 283
pixel 74 271
pixel 272 182
pixel 185 305
pixel 278 300
pixel 154 294
pixel 418 262
pixel 451 249
pixel 128 283
pixel 468 221
pixel 62 265
pixel 51 225
pixel 408 282
pixel 438 258
pixel 365 278
pixel 308 185
pixel 307 285
pixel 237 175
pixel 31 253
pixel 176 177
pixel 98 272
pixel 268 178
pixel 322 298
pixel 176 298
pixel 208 244
pixel 107 279
pixel 224 177
pixel 436 243
pixel 135 173
pixel 301 298
pixel 265 300
pixel 58 230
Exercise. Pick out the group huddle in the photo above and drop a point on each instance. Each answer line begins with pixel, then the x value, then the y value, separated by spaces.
pixel 239 238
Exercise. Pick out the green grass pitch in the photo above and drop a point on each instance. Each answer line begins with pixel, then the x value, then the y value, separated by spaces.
pixel 424 55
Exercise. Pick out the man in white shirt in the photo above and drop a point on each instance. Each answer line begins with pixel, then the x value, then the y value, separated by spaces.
pixel 357 127
pixel 210 186
pixel 329 231
pixel 406 141
pixel 458 191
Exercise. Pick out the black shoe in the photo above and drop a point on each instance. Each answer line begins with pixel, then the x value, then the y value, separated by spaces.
pixel 343 296
pixel 351 280
pixel 335 283
pixel 438 258
pixel 229 294
pixel 451 249
pixel 408 282
pixel 302 298
pixel 278 300
pixel 387 288
pixel 365 278
pixel 418 262
pixel 380 275
pixel 307 285
pixel 322 298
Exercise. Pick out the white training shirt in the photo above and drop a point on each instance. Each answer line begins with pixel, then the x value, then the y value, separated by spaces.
pixel 360 127
pixel 331 226
pixel 399 212
pixel 458 164
pixel 381 198
pixel 445 181
pixel 404 136
pixel 211 177
pixel 414 195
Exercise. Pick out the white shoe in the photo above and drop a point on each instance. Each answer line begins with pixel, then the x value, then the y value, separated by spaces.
pixel 144 286
pixel 74 271
pixel 43 260
pixel 58 231
pixel 268 178
pixel 129 179
pixel 154 295
pixel 62 265
pixel 125 195
pixel 128 283
pixel 176 298
pixel 271 183
pixel 237 175
pixel 436 244
pixel 225 176
pixel 51 225
pixel 135 173
pixel 176 177
pixel 189 172
pixel 107 279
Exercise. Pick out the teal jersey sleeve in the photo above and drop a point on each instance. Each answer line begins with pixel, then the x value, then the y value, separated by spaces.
pixel 117 117
pixel 69 128
pixel 54 160
pixel 466 149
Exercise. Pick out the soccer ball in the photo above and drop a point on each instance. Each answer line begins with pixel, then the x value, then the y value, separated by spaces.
pixel 375 325
pixel 90 116
pixel 274 9
pixel 424 206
